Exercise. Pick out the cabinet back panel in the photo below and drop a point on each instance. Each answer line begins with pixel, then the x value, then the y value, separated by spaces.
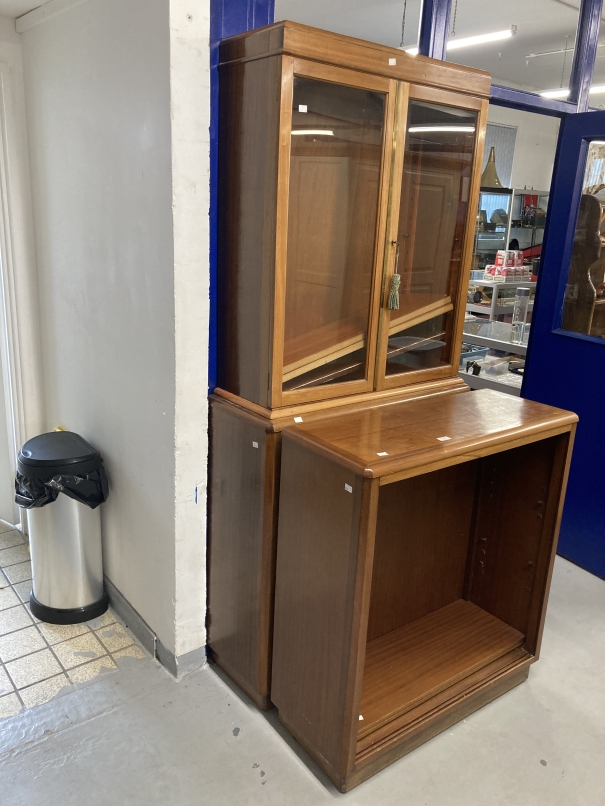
pixel 510 533
pixel 422 543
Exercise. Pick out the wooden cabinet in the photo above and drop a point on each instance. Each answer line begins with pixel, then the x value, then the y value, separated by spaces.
pixel 415 549
pixel 406 584
pixel 245 452
pixel 341 164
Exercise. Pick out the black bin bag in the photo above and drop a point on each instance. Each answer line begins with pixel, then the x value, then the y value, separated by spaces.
pixel 59 462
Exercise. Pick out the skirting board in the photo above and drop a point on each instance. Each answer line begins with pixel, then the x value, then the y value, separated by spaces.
pixel 146 636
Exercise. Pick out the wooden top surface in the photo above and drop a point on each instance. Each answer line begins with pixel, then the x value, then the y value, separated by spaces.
pixel 391 438
pixel 304 41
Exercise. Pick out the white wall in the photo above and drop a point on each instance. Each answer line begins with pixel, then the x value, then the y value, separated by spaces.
pixel 22 400
pixel 118 362
pixel 535 146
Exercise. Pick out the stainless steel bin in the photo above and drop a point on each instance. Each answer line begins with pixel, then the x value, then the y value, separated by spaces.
pixel 58 471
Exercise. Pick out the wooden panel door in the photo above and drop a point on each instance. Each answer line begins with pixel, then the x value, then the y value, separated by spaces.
pixel 334 167
pixel 434 197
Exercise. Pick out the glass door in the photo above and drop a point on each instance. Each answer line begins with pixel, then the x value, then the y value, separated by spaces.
pixel 430 236
pixel 565 364
pixel 336 139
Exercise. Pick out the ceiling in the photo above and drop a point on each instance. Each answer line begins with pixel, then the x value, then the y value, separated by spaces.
pixel 16 8
pixel 542 25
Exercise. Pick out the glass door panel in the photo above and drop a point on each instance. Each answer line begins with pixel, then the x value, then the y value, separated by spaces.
pixel 335 171
pixel 433 215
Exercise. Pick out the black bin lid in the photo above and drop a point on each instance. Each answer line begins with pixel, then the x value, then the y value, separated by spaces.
pixel 58 452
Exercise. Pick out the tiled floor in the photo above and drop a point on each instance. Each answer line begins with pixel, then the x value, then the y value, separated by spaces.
pixel 39 660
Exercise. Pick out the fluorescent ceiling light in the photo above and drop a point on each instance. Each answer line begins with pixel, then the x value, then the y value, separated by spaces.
pixel 415 129
pixel 555 93
pixel 469 41
pixel 327 132
pixel 563 93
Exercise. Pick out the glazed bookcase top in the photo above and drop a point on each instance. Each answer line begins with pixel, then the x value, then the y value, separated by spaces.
pixel 294 39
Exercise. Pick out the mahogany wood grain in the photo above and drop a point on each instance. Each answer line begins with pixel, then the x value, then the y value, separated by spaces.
pixel 285 414
pixel 323 46
pixel 315 592
pixel 419 566
pixel 240 584
pixel 409 665
pixel 409 435
pixel 248 137
pixel 443 641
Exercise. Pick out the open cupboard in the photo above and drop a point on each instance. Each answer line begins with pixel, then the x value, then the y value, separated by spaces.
pixel 411 578
pixel 407 581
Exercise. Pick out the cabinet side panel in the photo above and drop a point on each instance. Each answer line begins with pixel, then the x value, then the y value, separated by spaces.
pixel 422 540
pixel 236 555
pixel 514 531
pixel 248 147
pixel 315 578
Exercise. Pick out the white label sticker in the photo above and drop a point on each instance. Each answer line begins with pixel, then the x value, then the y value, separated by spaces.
pixel 255 444
pixel 298 419
pixel 443 439
pixel 360 718
pixel 384 453
pixel 392 61
pixel 348 488
pixel 302 107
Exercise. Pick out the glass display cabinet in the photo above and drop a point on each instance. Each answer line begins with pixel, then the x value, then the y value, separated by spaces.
pixel 349 180
pixel 509 219
pixel 333 179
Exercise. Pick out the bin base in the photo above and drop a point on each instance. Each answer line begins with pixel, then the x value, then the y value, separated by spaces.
pixel 72 615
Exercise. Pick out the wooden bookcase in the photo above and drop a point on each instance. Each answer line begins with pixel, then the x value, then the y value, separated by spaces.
pixel 415 549
pixel 413 591
pixel 245 455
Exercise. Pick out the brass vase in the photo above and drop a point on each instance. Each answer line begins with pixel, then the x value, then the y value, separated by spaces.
pixel 489 177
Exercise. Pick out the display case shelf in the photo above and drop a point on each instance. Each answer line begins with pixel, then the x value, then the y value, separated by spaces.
pixel 509 383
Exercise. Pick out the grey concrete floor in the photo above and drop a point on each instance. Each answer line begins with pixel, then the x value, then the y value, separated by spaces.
pixel 137 737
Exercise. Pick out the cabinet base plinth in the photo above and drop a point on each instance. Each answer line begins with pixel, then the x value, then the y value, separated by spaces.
pixel 433 723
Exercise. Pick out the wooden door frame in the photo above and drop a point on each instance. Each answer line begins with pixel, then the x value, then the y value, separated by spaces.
pixel 291 67
pixel 444 98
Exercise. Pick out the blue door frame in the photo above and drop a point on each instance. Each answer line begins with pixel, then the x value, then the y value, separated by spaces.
pixel 567 369
pixel 582 524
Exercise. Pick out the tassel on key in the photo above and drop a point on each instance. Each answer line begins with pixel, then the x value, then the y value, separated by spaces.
pixel 393 304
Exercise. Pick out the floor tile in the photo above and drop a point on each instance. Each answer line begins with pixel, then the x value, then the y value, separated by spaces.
pixel 56 633
pixel 114 637
pixel 23 590
pixel 19 572
pixel 15 618
pixel 42 692
pixel 10 539
pixel 79 650
pixel 9 705
pixel 82 674
pixel 17 644
pixel 132 651
pixel 3 580
pixel 8 598
pixel 6 527
pixel 31 615
pixel 18 554
pixel 5 683
pixel 33 668
pixel 102 621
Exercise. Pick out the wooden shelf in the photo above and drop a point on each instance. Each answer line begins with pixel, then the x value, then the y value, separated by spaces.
pixel 418 661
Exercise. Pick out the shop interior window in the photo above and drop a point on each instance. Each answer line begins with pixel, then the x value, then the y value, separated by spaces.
pixel 584 306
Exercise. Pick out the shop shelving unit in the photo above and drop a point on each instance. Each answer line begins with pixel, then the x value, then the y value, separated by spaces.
pixel 494 310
